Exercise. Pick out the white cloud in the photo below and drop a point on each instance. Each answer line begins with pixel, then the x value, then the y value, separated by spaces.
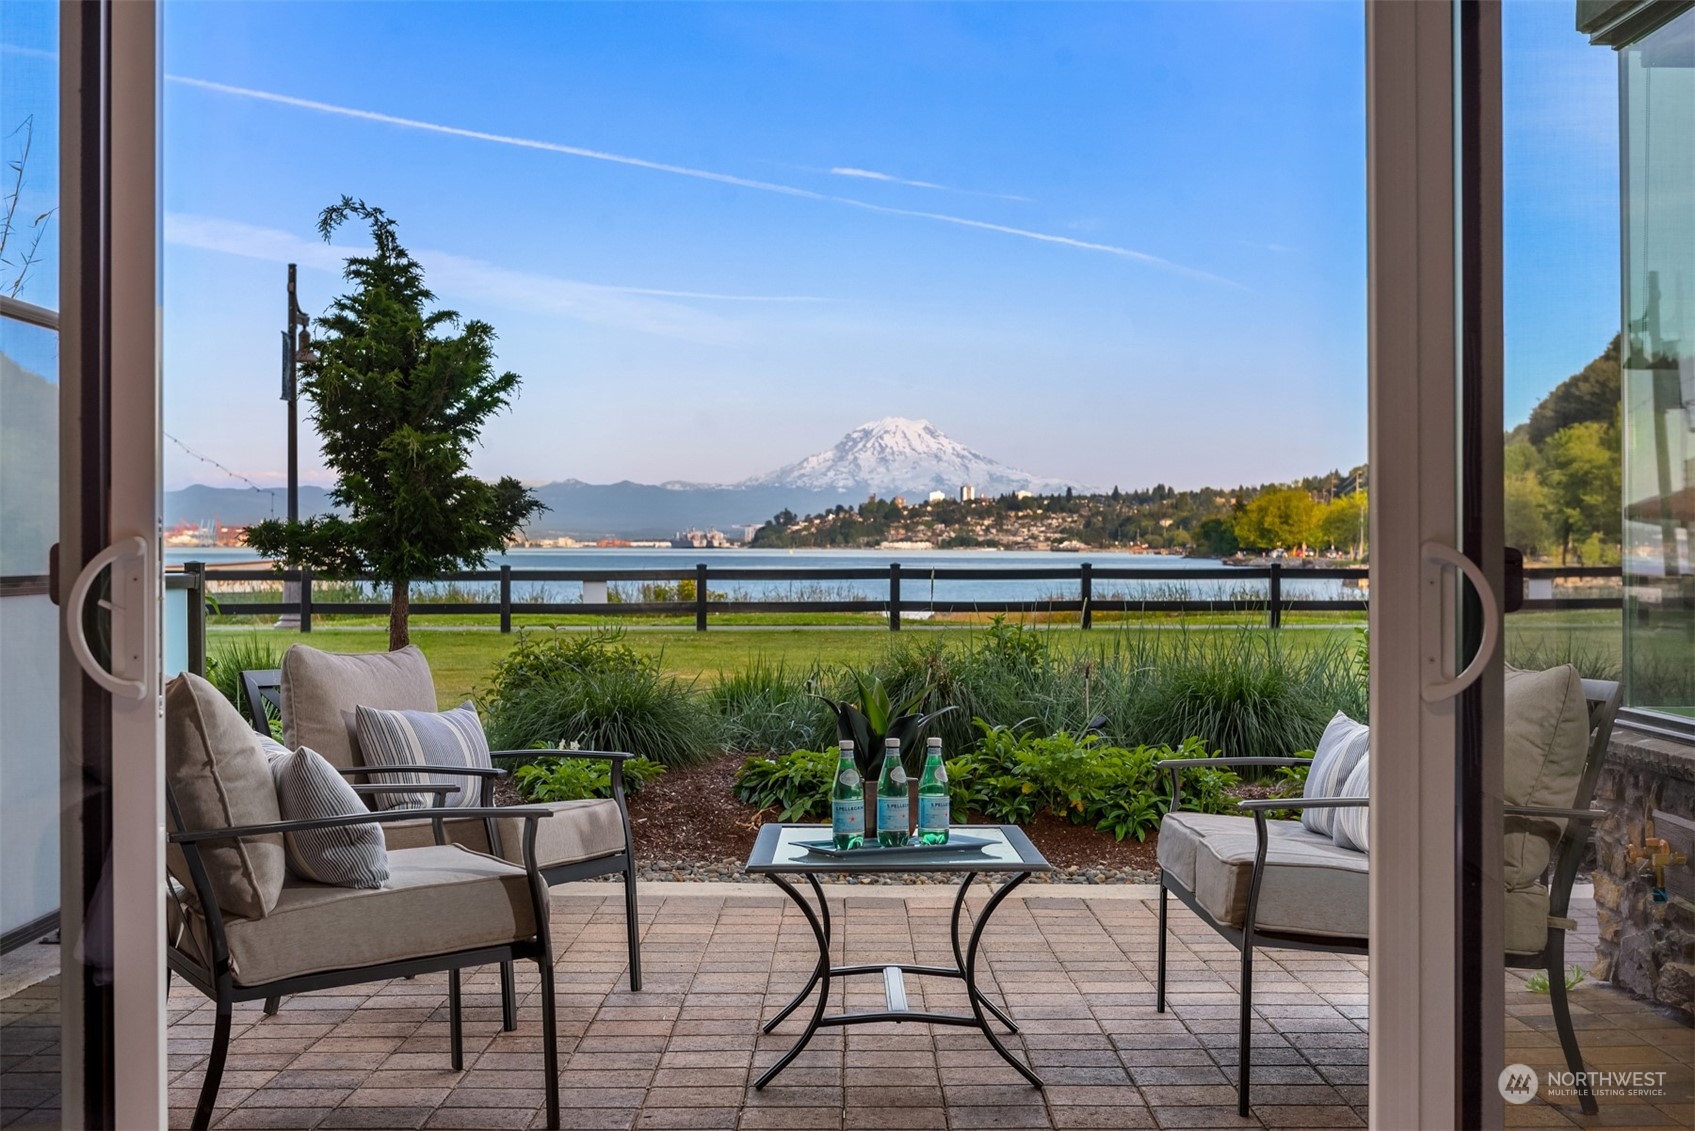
pixel 890 178
pixel 631 308
pixel 682 171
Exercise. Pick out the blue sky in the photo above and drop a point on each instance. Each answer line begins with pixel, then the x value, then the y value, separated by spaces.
pixel 1119 243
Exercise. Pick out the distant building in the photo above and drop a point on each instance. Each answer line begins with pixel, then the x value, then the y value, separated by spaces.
pixel 938 496
pixel 1021 494
pixel 967 493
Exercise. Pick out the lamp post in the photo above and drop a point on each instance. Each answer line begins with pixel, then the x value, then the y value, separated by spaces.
pixel 295 351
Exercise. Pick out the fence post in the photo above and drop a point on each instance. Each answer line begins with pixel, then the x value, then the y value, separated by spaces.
pixel 1086 587
pixel 700 597
pixel 1276 595
pixel 506 598
pixel 894 596
pixel 196 574
pixel 305 600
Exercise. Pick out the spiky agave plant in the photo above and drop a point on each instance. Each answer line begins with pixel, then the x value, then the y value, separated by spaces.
pixel 873 718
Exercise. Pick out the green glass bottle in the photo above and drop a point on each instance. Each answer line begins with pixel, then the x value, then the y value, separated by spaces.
pixel 934 809
pixel 891 798
pixel 847 803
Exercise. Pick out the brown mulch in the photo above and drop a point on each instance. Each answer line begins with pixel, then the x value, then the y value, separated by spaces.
pixel 692 814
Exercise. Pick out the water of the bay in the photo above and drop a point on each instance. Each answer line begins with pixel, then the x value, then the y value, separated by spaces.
pixel 916 584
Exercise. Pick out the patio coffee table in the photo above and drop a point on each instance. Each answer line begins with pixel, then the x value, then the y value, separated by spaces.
pixel 780 852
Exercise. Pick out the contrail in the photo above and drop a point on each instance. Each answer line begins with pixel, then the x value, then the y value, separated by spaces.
pixel 682 171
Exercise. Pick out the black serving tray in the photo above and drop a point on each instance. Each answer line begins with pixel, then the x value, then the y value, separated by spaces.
pixel 957 843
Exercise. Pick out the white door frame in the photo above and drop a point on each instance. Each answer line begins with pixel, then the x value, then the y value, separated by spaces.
pixel 1419 316
pixel 110 475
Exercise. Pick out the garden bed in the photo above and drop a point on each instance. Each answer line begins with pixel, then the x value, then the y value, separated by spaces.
pixel 690 826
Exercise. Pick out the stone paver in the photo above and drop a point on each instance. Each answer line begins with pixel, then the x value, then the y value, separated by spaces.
pixel 1077 972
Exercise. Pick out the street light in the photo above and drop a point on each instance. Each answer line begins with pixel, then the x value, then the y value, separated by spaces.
pixel 295 351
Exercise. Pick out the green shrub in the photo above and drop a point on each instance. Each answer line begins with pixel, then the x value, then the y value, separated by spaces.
pixel 594 690
pixel 765 708
pixel 796 784
pixel 571 779
pixel 1080 779
pixel 231 656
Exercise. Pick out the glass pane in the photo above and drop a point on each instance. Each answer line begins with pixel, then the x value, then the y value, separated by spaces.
pixel 29 500
pixel 1658 88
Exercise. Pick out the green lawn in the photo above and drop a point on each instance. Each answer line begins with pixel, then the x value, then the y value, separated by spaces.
pixel 462 657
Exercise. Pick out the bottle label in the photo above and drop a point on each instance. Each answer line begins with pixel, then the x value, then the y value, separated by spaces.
pixel 934 812
pixel 941 774
pixel 898 775
pixel 849 778
pixel 891 813
pixel 847 818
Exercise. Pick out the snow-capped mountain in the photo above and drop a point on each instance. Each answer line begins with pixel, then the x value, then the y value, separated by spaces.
pixel 894 456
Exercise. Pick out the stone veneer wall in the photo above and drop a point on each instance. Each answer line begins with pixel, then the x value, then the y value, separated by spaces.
pixel 1645 947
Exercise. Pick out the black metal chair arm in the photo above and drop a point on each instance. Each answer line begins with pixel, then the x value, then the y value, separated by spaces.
pixel 1192 763
pixel 1261 805
pixel 379 790
pixel 464 771
pixel 1553 814
pixel 386 816
pixel 606 755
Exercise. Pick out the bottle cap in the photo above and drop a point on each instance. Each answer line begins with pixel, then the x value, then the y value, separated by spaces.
pixel 846 744
pixel 932 742
pixel 894 742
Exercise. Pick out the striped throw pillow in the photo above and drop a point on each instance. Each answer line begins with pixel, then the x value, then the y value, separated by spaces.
pixel 1340 749
pixel 424 738
pixel 1352 827
pixel 353 856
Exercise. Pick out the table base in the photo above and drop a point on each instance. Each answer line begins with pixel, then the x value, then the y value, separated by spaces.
pixel 894 981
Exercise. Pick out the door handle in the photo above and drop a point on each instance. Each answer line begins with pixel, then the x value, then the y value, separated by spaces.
pixel 124 688
pixel 1436 552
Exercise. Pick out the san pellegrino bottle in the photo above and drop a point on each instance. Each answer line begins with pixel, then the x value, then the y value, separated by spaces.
pixel 892 798
pixel 847 803
pixel 934 810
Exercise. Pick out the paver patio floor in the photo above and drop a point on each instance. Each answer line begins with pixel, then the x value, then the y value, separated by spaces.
pixel 1075 966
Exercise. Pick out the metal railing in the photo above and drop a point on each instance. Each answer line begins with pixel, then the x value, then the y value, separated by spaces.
pixel 1084 576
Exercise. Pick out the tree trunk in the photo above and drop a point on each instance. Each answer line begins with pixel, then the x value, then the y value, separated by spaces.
pixel 399 615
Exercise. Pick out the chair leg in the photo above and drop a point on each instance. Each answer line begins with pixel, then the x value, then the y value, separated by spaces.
pixel 214 1068
pixel 455 1022
pixel 1245 1038
pixel 632 924
pixel 272 1004
pixel 508 998
pixel 549 1041
pixel 1159 978
pixel 1562 1019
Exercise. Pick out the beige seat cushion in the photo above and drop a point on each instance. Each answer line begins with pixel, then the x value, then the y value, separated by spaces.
pixel 1310 887
pixel 220 776
pixel 578 830
pixel 1526 912
pixel 321 689
pixel 438 900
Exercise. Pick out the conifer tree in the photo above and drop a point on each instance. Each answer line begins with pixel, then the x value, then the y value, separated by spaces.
pixel 399 394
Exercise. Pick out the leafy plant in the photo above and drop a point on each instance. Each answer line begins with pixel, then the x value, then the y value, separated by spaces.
pixel 596 691
pixel 571 779
pixel 874 717
pixel 796 784
pixel 1537 983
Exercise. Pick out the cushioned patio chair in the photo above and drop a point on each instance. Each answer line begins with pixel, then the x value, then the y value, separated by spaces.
pixel 316 693
pixel 244 925
pixel 1279 883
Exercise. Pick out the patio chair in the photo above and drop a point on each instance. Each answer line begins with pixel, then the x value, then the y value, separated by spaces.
pixel 1259 881
pixel 243 926
pixel 315 694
